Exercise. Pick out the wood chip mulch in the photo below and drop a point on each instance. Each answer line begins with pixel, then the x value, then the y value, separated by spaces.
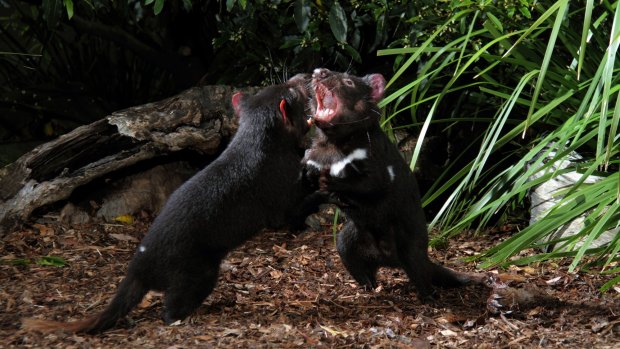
pixel 283 290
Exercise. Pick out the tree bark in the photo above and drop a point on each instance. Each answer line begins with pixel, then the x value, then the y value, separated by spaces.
pixel 200 119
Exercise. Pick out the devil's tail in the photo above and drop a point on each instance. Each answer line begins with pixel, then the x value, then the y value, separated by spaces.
pixel 447 278
pixel 130 293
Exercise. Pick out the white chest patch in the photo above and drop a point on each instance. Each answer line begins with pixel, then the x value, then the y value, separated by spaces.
pixel 314 164
pixel 141 248
pixel 390 170
pixel 337 168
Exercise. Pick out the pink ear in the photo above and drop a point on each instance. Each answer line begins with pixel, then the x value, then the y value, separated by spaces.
pixel 236 99
pixel 283 110
pixel 377 82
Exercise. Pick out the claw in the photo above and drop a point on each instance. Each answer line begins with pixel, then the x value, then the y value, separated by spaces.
pixel 496 304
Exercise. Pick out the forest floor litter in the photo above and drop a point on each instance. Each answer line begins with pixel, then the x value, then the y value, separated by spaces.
pixel 282 290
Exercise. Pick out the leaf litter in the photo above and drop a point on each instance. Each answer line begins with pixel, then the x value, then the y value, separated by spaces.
pixel 290 290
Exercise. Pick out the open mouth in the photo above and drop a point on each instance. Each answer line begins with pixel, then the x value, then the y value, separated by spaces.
pixel 326 103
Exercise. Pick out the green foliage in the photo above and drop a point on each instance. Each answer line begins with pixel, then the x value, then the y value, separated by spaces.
pixel 338 22
pixel 51 261
pixel 335 225
pixel 45 261
pixel 158 5
pixel 66 63
pixel 52 12
pixel 69 6
pixel 300 35
pixel 537 81
pixel 15 261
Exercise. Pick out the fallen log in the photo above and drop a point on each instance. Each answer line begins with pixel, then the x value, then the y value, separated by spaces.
pixel 199 119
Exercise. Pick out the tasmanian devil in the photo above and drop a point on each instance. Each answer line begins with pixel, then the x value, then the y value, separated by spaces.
pixel 255 183
pixel 355 162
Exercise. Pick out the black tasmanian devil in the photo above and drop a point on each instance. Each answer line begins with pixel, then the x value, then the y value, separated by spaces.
pixel 255 183
pixel 355 162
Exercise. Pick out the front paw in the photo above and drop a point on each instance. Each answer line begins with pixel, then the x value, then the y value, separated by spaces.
pixel 310 178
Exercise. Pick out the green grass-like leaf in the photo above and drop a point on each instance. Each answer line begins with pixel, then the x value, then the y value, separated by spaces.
pixel 51 261
pixel 546 90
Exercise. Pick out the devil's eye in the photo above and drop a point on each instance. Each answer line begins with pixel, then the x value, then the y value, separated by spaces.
pixel 348 82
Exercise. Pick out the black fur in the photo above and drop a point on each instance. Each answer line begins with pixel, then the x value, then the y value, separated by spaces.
pixel 376 190
pixel 255 183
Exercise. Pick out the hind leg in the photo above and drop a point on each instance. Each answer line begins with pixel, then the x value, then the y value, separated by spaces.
pixel 411 242
pixel 359 254
pixel 188 291
pixel 419 271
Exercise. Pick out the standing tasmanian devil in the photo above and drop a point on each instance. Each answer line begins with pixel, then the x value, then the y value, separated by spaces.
pixel 355 162
pixel 255 183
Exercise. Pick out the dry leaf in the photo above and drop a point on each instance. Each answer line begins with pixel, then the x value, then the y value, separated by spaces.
pixel 149 299
pixel 333 332
pixel 275 274
pixel 448 333
pixel 554 281
pixel 127 219
pixel 232 331
pixel 124 237
pixel 27 297
pixel 44 230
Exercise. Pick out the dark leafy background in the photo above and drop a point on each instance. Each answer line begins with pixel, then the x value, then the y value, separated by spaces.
pixel 64 63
